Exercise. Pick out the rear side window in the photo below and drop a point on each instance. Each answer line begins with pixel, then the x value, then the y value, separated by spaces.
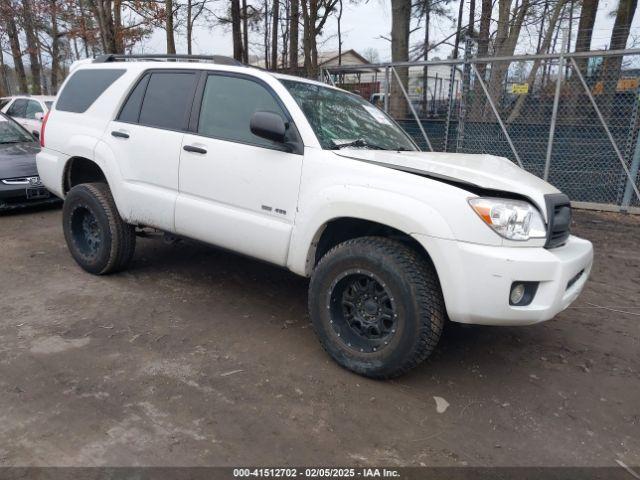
pixel 18 108
pixel 229 103
pixel 167 100
pixel 84 87
pixel 33 107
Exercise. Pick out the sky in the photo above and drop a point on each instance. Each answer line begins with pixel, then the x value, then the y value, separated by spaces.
pixel 363 26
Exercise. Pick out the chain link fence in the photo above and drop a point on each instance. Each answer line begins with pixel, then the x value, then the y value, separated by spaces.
pixel 572 119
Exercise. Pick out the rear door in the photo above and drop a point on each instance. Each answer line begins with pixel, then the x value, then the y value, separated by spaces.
pixel 146 138
pixel 31 123
pixel 237 190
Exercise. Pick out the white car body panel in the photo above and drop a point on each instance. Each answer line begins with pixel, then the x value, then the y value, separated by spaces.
pixel 274 205
pixel 33 125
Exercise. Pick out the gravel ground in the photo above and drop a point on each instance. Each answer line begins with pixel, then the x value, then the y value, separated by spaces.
pixel 197 356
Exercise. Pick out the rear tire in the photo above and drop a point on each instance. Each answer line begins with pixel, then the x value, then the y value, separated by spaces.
pixel 97 237
pixel 376 306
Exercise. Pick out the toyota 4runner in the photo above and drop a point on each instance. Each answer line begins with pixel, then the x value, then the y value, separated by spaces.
pixel 317 180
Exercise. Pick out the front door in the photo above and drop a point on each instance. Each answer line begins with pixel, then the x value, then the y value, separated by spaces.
pixel 237 190
pixel 146 138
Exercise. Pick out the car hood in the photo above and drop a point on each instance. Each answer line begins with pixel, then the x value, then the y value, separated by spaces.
pixel 18 160
pixel 473 171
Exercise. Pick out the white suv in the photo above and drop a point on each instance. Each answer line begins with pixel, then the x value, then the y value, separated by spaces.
pixel 319 181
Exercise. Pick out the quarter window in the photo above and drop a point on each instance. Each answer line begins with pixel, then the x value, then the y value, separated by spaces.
pixel 131 111
pixel 228 104
pixel 18 108
pixel 84 87
pixel 167 101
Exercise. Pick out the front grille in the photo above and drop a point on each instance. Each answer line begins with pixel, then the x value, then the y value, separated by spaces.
pixel 559 219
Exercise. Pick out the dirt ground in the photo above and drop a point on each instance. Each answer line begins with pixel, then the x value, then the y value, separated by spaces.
pixel 197 356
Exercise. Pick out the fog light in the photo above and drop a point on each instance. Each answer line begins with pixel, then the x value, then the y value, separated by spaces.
pixel 517 293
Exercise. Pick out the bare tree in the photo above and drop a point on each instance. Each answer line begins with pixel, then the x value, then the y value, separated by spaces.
pixel 235 29
pixel 14 41
pixel 315 14
pixel 29 27
pixel 293 36
pixel 171 42
pixel 400 24
pixel 274 34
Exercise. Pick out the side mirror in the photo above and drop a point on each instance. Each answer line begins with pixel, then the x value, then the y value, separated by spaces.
pixel 38 116
pixel 268 125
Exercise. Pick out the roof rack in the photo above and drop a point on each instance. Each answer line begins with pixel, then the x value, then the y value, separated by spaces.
pixel 219 59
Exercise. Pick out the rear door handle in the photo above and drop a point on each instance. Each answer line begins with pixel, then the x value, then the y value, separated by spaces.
pixel 191 148
pixel 118 134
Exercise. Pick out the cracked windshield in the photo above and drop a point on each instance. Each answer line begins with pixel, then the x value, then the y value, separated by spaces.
pixel 341 119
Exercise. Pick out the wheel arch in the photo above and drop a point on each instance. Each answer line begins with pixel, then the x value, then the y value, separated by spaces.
pixel 79 170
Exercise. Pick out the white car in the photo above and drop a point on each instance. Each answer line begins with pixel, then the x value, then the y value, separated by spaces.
pixel 317 180
pixel 28 110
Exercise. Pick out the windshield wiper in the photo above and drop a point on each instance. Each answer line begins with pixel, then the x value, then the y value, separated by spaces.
pixel 360 142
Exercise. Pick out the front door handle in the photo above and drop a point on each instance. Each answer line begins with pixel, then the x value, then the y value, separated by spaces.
pixel 191 148
pixel 118 134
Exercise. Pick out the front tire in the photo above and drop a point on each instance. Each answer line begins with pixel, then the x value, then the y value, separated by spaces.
pixel 376 306
pixel 97 237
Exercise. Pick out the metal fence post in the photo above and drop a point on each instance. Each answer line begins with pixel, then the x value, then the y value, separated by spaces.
pixel 413 110
pixel 635 166
pixel 556 100
pixel 497 114
pixel 387 80
pixel 466 81
pixel 632 180
pixel 452 79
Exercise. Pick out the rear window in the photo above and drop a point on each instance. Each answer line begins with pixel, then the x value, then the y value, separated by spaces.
pixel 84 87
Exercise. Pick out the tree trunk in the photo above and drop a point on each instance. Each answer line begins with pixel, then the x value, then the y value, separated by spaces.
pixel 274 34
pixel 613 65
pixel 189 26
pixel 293 36
pixel 266 34
pixel 400 24
pixel 4 87
pixel 16 52
pixel 340 32
pixel 32 46
pixel 55 45
pixel 245 33
pixel 557 9
pixel 171 42
pixel 235 29
pixel 118 39
pixel 507 36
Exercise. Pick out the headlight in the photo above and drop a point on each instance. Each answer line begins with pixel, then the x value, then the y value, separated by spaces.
pixel 511 219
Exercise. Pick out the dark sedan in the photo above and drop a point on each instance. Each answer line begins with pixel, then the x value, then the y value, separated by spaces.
pixel 19 181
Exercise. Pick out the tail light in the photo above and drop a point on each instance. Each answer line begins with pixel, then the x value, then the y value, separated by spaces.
pixel 44 124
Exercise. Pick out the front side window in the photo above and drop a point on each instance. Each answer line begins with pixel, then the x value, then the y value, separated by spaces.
pixel 84 87
pixel 18 108
pixel 10 132
pixel 167 100
pixel 228 103
pixel 33 107
pixel 342 119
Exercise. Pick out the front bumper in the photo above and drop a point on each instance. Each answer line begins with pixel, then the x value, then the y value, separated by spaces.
pixel 15 196
pixel 476 279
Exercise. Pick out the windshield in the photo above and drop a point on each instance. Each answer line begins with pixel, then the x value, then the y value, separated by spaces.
pixel 12 133
pixel 340 119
